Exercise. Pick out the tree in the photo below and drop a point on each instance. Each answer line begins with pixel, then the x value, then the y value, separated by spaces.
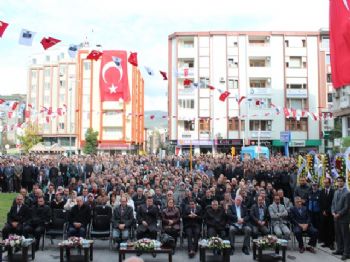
pixel 90 146
pixel 30 137
pixel 346 142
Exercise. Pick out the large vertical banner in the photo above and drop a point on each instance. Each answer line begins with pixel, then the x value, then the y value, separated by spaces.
pixel 114 83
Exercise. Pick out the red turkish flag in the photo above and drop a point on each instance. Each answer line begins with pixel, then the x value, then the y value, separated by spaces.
pixel 27 114
pixel 59 111
pixel 3 27
pixel 241 99
pixel 2 101
pixel 339 24
pixel 48 42
pixel 94 55
pixel 224 95
pixel 211 87
pixel 286 112
pixel 14 105
pixel 47 119
pixel 187 82
pixel 49 112
pixel 133 59
pixel 114 76
pixel 163 75
pixel 9 114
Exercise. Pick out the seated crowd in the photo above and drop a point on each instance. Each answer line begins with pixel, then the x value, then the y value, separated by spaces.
pixel 194 205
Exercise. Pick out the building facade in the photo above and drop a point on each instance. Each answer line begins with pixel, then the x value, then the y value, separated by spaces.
pixel 64 98
pixel 270 71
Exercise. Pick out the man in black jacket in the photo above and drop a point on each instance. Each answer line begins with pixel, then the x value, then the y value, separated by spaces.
pixel 39 217
pixel 147 215
pixel 238 218
pixel 123 218
pixel 28 176
pixel 192 221
pixel 139 199
pixel 17 216
pixel 259 218
pixel 215 219
pixel 79 218
pixel 327 235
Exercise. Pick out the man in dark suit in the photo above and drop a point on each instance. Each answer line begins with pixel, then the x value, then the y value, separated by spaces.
pixel 39 217
pixel 259 218
pixel 79 218
pixel 139 199
pixel 192 221
pixel 122 220
pixel 18 215
pixel 215 219
pixel 238 219
pixel 340 212
pixel 147 215
pixel 28 176
pixel 301 221
pixel 327 222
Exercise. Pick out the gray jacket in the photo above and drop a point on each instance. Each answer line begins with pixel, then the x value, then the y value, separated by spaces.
pixel 340 205
pixel 278 215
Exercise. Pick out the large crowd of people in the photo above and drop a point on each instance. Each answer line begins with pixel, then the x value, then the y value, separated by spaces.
pixel 212 196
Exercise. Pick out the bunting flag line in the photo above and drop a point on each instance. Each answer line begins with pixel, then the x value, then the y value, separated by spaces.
pixel 26 37
pixel 224 95
pixel 94 55
pixel 149 71
pixel 48 42
pixel 72 50
pixel 211 87
pixel 241 99
pixel 14 105
pixel 2 101
pixel 163 75
pixel 133 58
pixel 187 82
pixel 3 27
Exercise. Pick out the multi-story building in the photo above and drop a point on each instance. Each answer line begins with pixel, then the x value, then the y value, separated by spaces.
pixel 11 120
pixel 273 70
pixel 64 97
pixel 341 108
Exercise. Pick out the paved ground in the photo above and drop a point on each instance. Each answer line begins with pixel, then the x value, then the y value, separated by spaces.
pixel 103 254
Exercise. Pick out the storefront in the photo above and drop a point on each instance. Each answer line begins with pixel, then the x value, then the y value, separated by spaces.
pixel 298 145
pixel 198 146
pixel 225 145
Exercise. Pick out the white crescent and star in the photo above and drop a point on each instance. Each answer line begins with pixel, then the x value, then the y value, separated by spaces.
pixel 113 89
pixel 108 66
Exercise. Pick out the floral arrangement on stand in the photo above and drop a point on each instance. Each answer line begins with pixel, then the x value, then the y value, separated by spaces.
pixel 13 241
pixel 75 242
pixel 144 244
pixel 268 241
pixel 218 243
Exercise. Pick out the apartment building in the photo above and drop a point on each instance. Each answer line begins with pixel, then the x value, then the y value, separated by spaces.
pixel 272 70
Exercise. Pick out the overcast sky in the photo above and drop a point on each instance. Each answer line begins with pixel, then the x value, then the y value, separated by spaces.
pixel 142 26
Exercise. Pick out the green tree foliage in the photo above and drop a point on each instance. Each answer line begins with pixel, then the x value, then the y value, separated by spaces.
pixel 91 142
pixel 30 137
pixel 346 142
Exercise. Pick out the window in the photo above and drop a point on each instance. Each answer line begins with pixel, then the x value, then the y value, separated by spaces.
pixel 87 65
pixel 188 44
pixel 186 103
pixel 294 62
pixel 257 62
pixel 258 83
pixel 110 130
pixel 232 83
pixel 233 124
pixel 325 42
pixel 34 61
pixel 62 70
pixel 62 98
pixel 235 44
pixel 203 82
pixel 110 113
pixel 47 72
pixel 62 55
pixel 189 125
pixel 259 41
pixel 295 125
pixel 329 98
pixel 328 59
pixel 303 42
pixel 47 100
pixel 47 58
pixel 61 126
pixel 86 115
pixel 34 74
pixel 329 78
pixel 263 125
pixel 187 63
pixel 286 43
pixel 296 103
pixel 204 125
pixel 296 86
pixel 232 61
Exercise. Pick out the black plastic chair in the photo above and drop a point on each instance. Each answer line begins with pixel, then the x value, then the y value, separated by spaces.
pixel 58 225
pixel 101 226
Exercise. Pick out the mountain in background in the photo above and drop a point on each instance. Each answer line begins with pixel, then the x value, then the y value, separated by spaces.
pixel 158 121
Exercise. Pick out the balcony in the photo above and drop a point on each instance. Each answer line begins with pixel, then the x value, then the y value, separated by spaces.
pixel 187 92
pixel 296 72
pixel 263 134
pixel 296 51
pixel 296 93
pixel 185 72
pixel 259 71
pixel 113 121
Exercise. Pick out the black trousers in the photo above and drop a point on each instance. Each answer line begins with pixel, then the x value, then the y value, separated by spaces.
pixel 146 233
pixel 193 234
pixel 9 229
pixel 311 232
pixel 36 230
pixel 214 232
pixel 326 231
pixel 342 237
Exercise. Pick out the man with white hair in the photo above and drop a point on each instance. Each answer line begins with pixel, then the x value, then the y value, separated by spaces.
pixel 79 218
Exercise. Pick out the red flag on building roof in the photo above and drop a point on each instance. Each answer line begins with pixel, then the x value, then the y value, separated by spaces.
pixel 224 95
pixel 133 58
pixel 94 55
pixel 163 75
pixel 339 24
pixel 48 42
pixel 3 27
pixel 14 105
pixel 2 101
